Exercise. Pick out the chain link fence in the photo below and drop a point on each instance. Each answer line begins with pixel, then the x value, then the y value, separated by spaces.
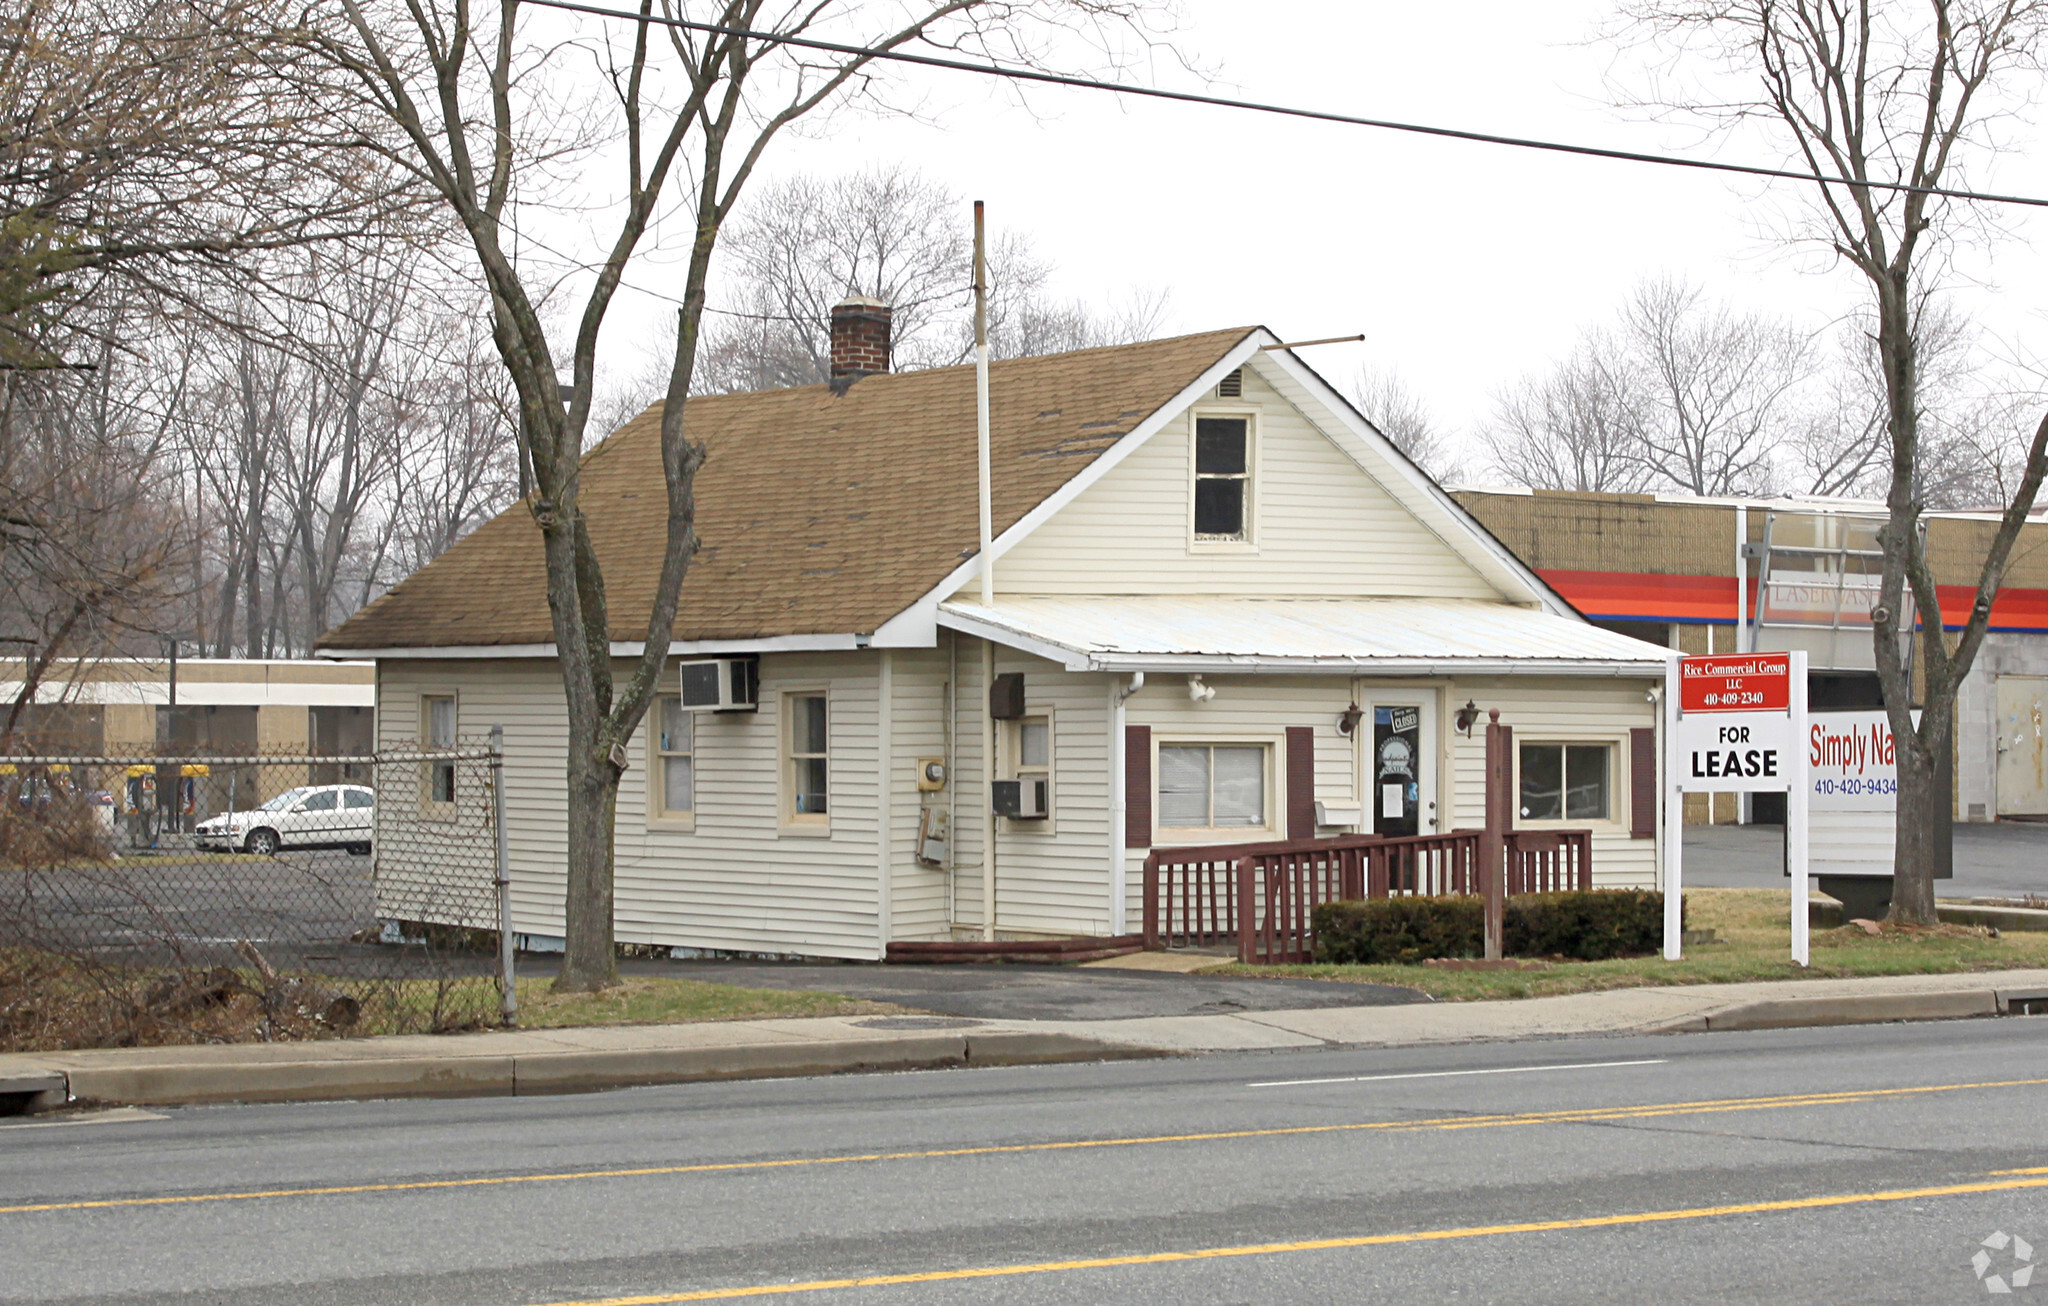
pixel 183 899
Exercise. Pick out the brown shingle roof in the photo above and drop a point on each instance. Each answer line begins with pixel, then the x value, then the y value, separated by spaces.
pixel 819 513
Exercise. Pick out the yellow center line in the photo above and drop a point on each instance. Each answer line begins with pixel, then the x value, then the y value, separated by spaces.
pixel 1321 1244
pixel 1571 1115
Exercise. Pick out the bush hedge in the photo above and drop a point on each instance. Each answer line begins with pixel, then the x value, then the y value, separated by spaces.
pixel 1580 926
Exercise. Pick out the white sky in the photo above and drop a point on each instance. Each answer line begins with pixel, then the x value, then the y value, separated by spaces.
pixel 1466 265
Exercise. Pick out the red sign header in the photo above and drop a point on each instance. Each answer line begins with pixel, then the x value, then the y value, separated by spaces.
pixel 1743 682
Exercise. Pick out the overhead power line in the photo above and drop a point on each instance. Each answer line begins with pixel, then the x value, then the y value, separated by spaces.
pixel 1280 110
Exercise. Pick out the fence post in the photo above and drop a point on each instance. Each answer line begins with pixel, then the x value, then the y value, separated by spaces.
pixel 1149 928
pixel 1500 774
pixel 1247 913
pixel 506 973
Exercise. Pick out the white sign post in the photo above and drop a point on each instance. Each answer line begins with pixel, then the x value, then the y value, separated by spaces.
pixel 1735 723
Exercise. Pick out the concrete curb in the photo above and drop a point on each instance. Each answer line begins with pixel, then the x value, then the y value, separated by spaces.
pixel 171 1083
pixel 1859 1009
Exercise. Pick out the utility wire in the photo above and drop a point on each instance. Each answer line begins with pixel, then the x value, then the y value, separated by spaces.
pixel 1281 110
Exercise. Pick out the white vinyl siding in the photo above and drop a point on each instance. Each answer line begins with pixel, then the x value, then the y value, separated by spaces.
pixel 736 883
pixel 1560 710
pixel 1323 527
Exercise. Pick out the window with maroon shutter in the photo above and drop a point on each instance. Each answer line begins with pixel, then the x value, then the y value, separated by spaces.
pixel 1137 786
pixel 1642 784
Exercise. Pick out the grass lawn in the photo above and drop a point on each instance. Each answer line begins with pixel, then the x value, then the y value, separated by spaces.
pixel 1755 933
pixel 643 1000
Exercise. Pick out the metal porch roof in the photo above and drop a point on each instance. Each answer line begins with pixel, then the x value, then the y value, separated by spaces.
pixel 1371 636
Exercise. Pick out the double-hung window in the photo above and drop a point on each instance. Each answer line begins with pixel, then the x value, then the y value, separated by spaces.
pixel 1212 786
pixel 1567 782
pixel 437 720
pixel 806 766
pixel 673 784
pixel 1223 478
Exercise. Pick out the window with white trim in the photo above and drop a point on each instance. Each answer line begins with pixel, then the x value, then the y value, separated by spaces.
pixel 673 784
pixel 1223 478
pixel 1567 782
pixel 807 758
pixel 1212 786
pixel 437 731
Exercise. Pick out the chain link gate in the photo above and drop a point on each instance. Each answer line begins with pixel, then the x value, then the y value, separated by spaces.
pixel 178 899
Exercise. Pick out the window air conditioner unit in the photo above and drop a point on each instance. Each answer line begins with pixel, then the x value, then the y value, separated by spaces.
pixel 720 684
pixel 1022 800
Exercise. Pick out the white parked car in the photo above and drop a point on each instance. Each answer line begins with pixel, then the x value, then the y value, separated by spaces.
pixel 311 816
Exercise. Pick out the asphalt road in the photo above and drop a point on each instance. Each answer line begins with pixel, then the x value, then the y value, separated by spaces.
pixel 2008 859
pixel 1861 1164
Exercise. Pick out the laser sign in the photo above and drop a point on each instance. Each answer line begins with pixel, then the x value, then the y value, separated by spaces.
pixel 1735 724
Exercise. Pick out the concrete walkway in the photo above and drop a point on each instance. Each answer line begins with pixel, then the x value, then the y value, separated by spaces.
pixel 576 1060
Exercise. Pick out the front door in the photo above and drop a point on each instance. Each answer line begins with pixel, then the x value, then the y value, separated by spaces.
pixel 2022 751
pixel 1399 769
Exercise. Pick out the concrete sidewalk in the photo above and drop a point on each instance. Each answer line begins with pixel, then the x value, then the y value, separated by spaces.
pixel 580 1060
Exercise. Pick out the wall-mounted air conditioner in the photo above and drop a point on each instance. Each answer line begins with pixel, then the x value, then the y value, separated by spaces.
pixel 720 684
pixel 1022 800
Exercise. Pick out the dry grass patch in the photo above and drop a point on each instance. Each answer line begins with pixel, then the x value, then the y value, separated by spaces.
pixel 1753 933
pixel 652 1000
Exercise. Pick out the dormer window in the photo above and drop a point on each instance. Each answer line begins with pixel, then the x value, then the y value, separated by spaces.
pixel 1223 478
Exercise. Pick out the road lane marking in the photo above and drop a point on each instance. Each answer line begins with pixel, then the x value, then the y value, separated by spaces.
pixel 1453 1074
pixel 1567 1115
pixel 125 1115
pixel 1322 1244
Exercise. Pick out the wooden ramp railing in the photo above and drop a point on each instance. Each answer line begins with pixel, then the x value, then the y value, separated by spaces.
pixel 1262 897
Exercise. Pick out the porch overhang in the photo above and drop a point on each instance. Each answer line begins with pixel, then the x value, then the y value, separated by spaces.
pixel 1216 635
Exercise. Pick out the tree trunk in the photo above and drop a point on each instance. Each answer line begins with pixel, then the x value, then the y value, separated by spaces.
pixel 1914 853
pixel 589 961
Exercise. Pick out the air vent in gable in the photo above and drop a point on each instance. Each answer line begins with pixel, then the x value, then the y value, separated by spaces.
pixel 1232 386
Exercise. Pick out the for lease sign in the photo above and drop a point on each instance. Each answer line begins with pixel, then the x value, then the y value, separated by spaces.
pixel 1739 682
pixel 1752 752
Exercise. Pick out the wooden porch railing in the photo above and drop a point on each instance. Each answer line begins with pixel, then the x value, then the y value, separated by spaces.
pixel 1262 896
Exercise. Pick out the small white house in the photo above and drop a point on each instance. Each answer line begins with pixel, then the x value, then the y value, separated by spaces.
pixel 1226 609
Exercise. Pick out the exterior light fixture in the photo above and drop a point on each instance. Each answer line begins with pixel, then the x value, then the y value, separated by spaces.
pixel 1465 716
pixel 1347 720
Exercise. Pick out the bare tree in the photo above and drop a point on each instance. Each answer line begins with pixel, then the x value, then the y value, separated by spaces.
pixel 803 244
pixel 92 528
pixel 1904 95
pixel 1716 387
pixel 1401 416
pixel 476 103
pixel 1577 428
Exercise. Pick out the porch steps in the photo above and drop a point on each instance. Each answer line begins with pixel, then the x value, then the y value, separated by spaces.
pixel 1018 952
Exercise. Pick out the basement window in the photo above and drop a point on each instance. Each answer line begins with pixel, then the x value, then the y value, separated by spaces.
pixel 1223 478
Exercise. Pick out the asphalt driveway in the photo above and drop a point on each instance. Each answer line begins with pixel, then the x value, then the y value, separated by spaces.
pixel 1005 992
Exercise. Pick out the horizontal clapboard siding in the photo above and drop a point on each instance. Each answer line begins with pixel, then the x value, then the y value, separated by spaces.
pixel 736 882
pixel 1562 710
pixel 1324 527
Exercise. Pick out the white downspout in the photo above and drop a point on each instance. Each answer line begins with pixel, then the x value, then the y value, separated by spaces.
pixel 1119 803
pixel 885 793
pixel 988 791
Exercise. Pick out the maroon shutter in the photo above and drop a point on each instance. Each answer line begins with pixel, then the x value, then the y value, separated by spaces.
pixel 1137 786
pixel 1301 782
pixel 1642 784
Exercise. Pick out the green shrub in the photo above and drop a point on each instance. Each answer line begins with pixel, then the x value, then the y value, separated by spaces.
pixel 1582 926
pixel 1401 931
pixel 1587 926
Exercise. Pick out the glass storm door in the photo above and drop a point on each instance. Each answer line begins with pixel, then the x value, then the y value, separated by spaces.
pixel 1399 769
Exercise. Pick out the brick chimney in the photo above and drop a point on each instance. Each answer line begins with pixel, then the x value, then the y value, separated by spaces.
pixel 860 337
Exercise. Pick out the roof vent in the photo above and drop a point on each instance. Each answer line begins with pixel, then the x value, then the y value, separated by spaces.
pixel 1232 386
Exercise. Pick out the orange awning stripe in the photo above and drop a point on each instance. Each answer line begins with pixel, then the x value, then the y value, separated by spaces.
pixel 2013 609
pixel 1640 596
